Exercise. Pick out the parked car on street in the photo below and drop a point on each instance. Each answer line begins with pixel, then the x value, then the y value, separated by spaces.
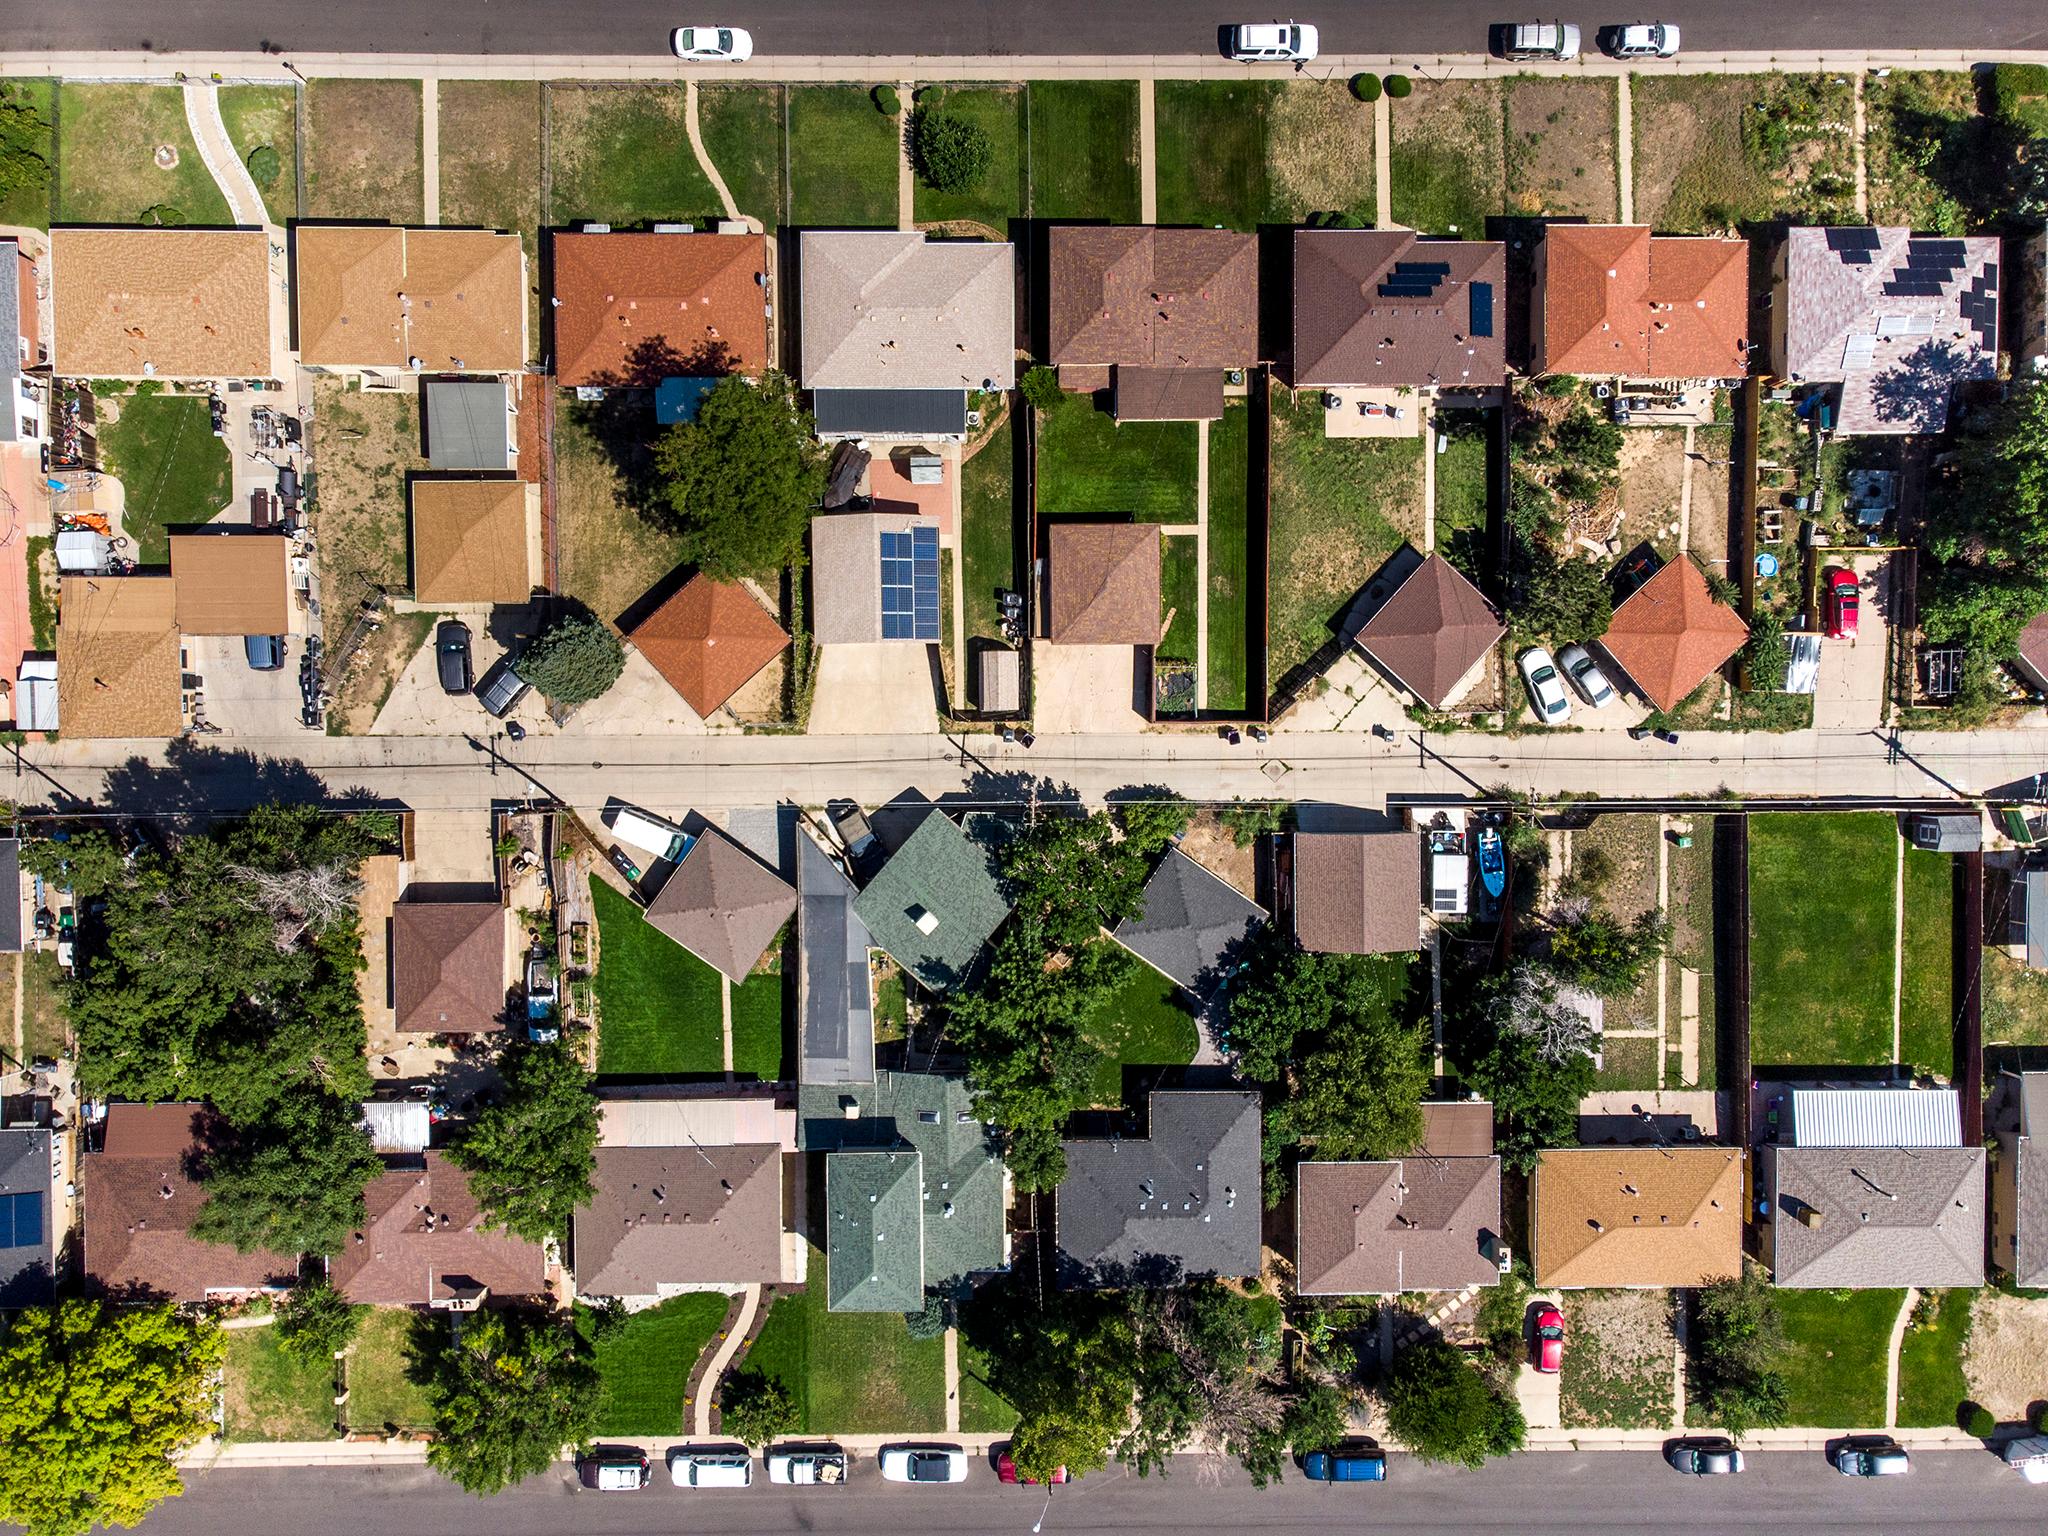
pixel 711 1469
pixel 1345 1466
pixel 1640 40
pixel 1555 41
pixel 1276 42
pixel 1546 689
pixel 1704 1455
pixel 1870 1456
pixel 614 1469
pixel 1577 663
pixel 821 1468
pixel 1842 602
pixel 1550 1341
pixel 924 1464
pixel 451 655
pixel 712 45
pixel 1006 1471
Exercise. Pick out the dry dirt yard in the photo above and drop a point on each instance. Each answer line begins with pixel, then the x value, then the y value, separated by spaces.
pixel 1652 483
pixel 1319 150
pixel 1560 138
pixel 1618 1352
pixel 2005 1362
pixel 363 150
pixel 1209 843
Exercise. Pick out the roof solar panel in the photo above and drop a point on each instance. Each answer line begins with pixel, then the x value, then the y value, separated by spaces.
pixel 910 584
pixel 1854 238
pixel 1855 258
pixel 1442 268
pixel 21 1220
pixel 1482 308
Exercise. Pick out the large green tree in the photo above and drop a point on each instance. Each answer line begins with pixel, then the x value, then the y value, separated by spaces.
pixel 1063 1360
pixel 530 1156
pixel 95 1401
pixel 742 479
pixel 1732 1349
pixel 1610 958
pixel 1533 1059
pixel 575 659
pixel 508 1392
pixel 1988 528
pixel 291 1180
pixel 1443 1409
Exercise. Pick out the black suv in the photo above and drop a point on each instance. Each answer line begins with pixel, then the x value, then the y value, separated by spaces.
pixel 451 655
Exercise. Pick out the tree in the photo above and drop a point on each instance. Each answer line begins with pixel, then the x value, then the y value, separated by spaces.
pixel 1063 1360
pixel 951 153
pixel 1283 997
pixel 530 1156
pixel 1988 530
pixel 754 1408
pixel 291 1181
pixel 1318 1417
pixel 1444 1410
pixel 575 659
pixel 1598 953
pixel 1560 596
pixel 95 1401
pixel 1733 1347
pixel 507 1394
pixel 1208 1367
pixel 742 479
pixel 1041 386
pixel 1535 1063
pixel 1765 655
pixel 1153 822
pixel 315 1321
pixel 1359 1096
pixel 24 138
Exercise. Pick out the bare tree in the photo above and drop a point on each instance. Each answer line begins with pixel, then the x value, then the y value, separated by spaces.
pixel 1531 1006
pixel 298 900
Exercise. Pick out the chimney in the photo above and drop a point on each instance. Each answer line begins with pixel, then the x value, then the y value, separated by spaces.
pixel 1809 1215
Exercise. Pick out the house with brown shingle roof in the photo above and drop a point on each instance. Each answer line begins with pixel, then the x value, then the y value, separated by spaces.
pixel 425 1242
pixel 1358 893
pixel 1613 300
pixel 1387 308
pixel 1170 308
pixel 632 309
pixel 120 666
pixel 386 299
pixel 1423 1223
pixel 472 541
pixel 1670 634
pixel 723 905
pixel 1651 1217
pixel 140 1200
pixel 708 641
pixel 1103 583
pixel 448 964
pixel 161 304
pixel 1432 635
pixel 231 580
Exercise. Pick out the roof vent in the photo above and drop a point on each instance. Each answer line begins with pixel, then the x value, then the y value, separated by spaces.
pixel 927 920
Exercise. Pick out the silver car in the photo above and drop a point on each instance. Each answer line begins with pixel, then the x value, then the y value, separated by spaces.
pixel 1587 679
pixel 1546 690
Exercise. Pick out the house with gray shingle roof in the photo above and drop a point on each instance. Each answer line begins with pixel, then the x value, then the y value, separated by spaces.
pixel 874 1239
pixel 723 905
pixel 935 905
pixel 1193 928
pixel 1181 1203
pixel 835 1000
pixel 2018 1119
pixel 1861 1218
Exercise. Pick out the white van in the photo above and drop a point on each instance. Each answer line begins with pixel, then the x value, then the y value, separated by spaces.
pixel 650 834
pixel 711 1469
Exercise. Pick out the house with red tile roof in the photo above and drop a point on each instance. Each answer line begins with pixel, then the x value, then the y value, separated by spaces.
pixel 1670 634
pixel 631 309
pixel 1614 300
pixel 708 641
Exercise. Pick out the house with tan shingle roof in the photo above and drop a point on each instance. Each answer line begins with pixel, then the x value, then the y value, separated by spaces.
pixel 379 298
pixel 1614 300
pixel 632 309
pixel 120 665
pixel 161 304
pixel 1650 1217
pixel 472 540
pixel 231 580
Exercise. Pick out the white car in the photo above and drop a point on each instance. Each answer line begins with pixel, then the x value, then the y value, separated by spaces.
pixel 711 1469
pixel 1643 40
pixel 808 1469
pixel 1586 676
pixel 924 1464
pixel 1275 42
pixel 1557 41
pixel 713 45
pixel 1546 688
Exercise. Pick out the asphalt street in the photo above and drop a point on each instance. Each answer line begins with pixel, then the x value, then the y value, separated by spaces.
pixel 1590 1494
pixel 958 28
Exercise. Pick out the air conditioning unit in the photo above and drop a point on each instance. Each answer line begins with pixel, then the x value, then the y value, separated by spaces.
pixel 1504 1256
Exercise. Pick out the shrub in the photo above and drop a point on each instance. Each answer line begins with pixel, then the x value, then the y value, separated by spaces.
pixel 2011 85
pixel 163 215
pixel 1399 86
pixel 887 102
pixel 264 165
pixel 1979 1421
pixel 951 153
pixel 754 1408
pixel 1366 87
pixel 1767 655
pixel 1041 387
pixel 929 1322
pixel 315 1321
pixel 574 660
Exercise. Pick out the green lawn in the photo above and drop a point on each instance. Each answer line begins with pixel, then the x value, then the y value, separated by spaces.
pixel 741 126
pixel 1461 489
pixel 1834 1355
pixel 33 135
pixel 1088 463
pixel 1931 1384
pixel 1211 143
pixel 107 170
pixel 843 158
pixel 1179 576
pixel 982 1410
pixel 267 115
pixel 646 1364
pixel 658 1005
pixel 268 1395
pixel 1230 573
pixel 1821 935
pixel 1715 150
pixel 988 524
pixel 172 467
pixel 757 1023
pixel 1001 193
pixel 892 1008
pixel 379 1390
pixel 45 1021
pixel 1340 508
pixel 621 155
pixel 1083 143
pixel 1628 1063
pixel 1927 991
pixel 1145 1024
pixel 851 1372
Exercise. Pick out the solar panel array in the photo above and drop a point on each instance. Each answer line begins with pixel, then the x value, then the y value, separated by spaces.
pixel 1854 246
pixel 910 584
pixel 1415 279
pixel 1980 307
pixel 21 1220
pixel 1482 308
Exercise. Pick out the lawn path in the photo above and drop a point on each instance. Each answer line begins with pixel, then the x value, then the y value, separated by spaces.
pixel 1898 944
pixel 1891 1357
pixel 1428 477
pixel 906 182
pixel 1201 565
pixel 1148 156
pixel 732 209
pixel 1685 493
pixel 1862 165
pixel 725 1009
pixel 1383 161
pixel 430 149
pixel 20 970
pixel 1625 146
pixel 735 1336
pixel 217 153
pixel 952 1381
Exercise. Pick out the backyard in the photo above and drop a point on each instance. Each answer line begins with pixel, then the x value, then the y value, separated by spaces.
pixel 263 125
pixel 381 1393
pixel 1087 463
pixel 1083 139
pixel 170 465
pixel 1618 1361
pixel 988 532
pixel 125 156
pixel 1716 151
pixel 1821 891
pixel 267 1394
pixel 1445 161
pixel 1690 907
pixel 619 154
pixel 1833 1357
pixel 1927 978
pixel 45 1027
pixel 365 445
pixel 610 554
pixel 658 1006
pixel 844 158
pixel 644 1363
pixel 363 150
pixel 1143 1024
pixel 1461 498
pixel 1230 571
pixel 757 1014
pixel 850 1368
pixel 1001 192
pixel 1179 577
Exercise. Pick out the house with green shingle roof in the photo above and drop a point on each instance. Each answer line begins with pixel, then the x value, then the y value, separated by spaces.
pixel 874 1241
pixel 935 905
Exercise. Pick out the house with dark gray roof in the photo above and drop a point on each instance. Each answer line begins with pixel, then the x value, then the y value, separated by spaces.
pixel 28 1252
pixel 1862 1218
pixel 935 905
pixel 835 999
pixel 1180 1203
pixel 874 1232
pixel 1193 927
pixel 2018 1121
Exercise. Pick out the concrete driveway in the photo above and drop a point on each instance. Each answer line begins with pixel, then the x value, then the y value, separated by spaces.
pixel 1540 1394
pixel 241 700
pixel 882 687
pixel 1084 689
pixel 1849 694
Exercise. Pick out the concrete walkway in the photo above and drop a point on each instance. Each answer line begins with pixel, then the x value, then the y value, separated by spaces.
pixel 430 148
pixel 217 152
pixel 906 178
pixel 707 1388
pixel 725 1016
pixel 1625 147
pixel 952 1381
pixel 1891 1357
pixel 1383 161
pixel 1201 565
pixel 732 210
pixel 1148 155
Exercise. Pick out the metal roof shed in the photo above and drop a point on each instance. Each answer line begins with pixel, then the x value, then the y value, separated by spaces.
pixel 466 423
pixel 1876 1117
pixel 1002 688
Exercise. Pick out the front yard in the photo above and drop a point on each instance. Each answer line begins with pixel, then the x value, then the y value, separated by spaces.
pixel 850 1372
pixel 381 1393
pixel 266 117
pixel 1834 1355
pixel 364 152
pixel 125 156
pixel 645 1365
pixel 1230 574
pixel 1088 463
pixel 1716 151
pixel 742 130
pixel 658 1006
pixel 844 158
pixel 170 465
pixel 1211 142
pixel 27 201
pixel 1000 195
pixel 1446 162
pixel 982 1410
pixel 1560 148
pixel 1618 1360
pixel 1821 889
pixel 619 154
pixel 268 1395
pixel 1083 138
